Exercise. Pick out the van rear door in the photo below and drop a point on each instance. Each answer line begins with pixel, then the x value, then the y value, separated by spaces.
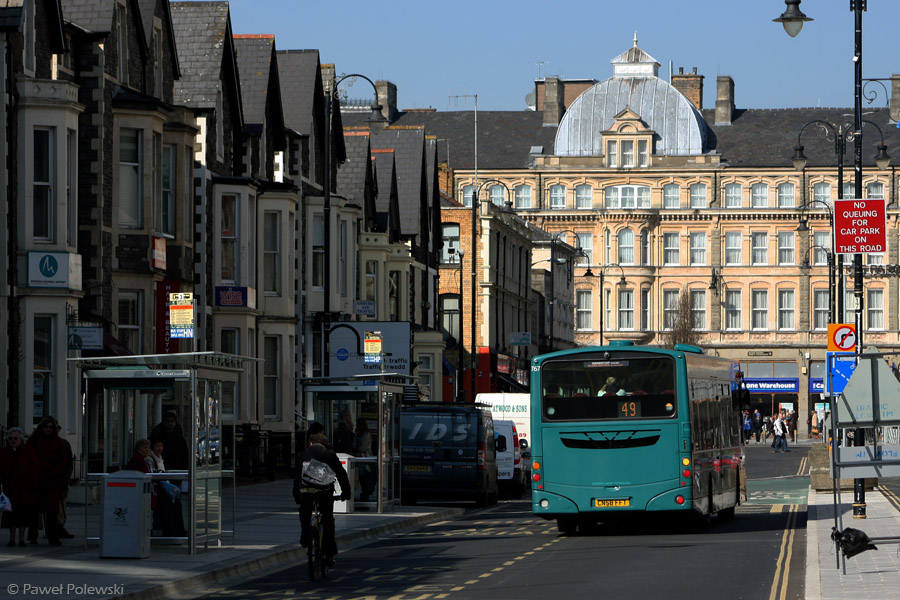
pixel 459 469
pixel 423 434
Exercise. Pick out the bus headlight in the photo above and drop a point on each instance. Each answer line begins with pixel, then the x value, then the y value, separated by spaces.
pixel 545 503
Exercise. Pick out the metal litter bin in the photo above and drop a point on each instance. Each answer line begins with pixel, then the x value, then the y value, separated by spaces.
pixel 126 516
pixel 348 461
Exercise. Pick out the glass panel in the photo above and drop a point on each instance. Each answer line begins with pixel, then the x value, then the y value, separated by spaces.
pixel 634 388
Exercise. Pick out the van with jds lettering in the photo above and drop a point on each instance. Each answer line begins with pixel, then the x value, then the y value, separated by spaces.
pixel 448 452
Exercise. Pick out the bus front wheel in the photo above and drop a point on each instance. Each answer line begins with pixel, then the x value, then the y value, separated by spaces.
pixel 567 525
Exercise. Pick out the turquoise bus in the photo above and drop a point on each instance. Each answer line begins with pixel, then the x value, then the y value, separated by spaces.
pixel 622 429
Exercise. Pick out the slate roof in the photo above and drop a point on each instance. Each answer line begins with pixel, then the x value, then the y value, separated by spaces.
pixel 255 54
pixel 408 144
pixel 756 137
pixel 94 15
pixel 505 138
pixel 301 87
pixel 385 179
pixel 202 34
pixel 351 175
pixel 766 137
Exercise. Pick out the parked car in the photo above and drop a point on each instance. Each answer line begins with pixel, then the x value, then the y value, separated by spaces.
pixel 448 452
pixel 510 474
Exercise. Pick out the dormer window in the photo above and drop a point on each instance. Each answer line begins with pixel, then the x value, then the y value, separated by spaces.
pixel 628 142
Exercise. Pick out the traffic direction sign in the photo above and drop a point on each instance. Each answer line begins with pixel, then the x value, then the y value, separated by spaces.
pixel 840 368
pixel 860 226
pixel 841 337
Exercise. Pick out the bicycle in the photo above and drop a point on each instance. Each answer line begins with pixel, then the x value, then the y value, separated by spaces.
pixel 317 562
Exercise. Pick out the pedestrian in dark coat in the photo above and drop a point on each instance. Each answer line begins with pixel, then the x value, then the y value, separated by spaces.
pixel 51 455
pixel 19 478
pixel 175 448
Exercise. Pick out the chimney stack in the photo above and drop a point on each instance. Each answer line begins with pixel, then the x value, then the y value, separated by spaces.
pixel 724 100
pixel 387 98
pixel 554 101
pixel 690 85
pixel 894 111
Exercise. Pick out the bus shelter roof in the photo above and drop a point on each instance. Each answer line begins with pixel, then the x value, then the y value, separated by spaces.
pixel 188 360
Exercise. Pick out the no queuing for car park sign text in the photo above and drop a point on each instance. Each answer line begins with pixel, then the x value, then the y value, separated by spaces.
pixel 859 226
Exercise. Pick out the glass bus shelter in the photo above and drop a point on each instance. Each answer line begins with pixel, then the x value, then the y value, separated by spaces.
pixel 377 400
pixel 126 396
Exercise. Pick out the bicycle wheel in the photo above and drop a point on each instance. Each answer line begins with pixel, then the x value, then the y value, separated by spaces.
pixel 323 562
pixel 314 552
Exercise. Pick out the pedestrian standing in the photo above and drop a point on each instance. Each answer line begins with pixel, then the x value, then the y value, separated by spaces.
pixel 51 454
pixel 19 478
pixel 757 424
pixel 780 434
pixel 747 426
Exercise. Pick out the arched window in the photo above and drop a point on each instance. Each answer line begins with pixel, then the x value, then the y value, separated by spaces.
pixel 671 195
pixel 498 195
pixel 627 196
pixel 557 196
pixel 523 196
pixel 584 196
pixel 759 195
pixel 645 247
pixel 467 192
pixel 626 247
pixel 733 193
pixel 786 195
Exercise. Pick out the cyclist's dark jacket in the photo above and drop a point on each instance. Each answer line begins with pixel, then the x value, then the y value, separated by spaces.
pixel 322 454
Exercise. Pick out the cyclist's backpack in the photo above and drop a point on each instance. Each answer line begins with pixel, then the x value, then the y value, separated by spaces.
pixel 317 474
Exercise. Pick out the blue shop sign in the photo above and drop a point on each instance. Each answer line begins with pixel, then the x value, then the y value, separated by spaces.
pixel 772 386
pixel 816 385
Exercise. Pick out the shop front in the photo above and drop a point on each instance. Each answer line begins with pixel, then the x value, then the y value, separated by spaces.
pixel 774 386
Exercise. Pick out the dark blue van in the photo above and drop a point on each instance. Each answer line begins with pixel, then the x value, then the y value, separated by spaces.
pixel 447 452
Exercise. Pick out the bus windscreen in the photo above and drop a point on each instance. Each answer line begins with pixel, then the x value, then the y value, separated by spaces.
pixel 623 388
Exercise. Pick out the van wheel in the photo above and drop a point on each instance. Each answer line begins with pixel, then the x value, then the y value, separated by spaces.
pixel 567 525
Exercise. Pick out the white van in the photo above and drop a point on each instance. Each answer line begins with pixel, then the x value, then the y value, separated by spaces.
pixel 510 475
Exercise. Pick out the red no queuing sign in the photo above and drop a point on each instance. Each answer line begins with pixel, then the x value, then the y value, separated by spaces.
pixel 859 226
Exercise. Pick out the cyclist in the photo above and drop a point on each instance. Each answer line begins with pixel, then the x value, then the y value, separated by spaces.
pixel 305 493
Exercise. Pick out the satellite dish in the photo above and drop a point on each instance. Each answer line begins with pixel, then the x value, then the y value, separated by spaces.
pixel 530 100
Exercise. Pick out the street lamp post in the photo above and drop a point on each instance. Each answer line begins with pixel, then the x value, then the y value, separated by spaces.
pixel 474 258
pixel 331 98
pixel 460 387
pixel 621 283
pixel 805 266
pixel 794 22
pixel 835 305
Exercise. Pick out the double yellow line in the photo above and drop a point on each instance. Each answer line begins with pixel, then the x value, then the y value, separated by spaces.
pixel 783 564
pixel 891 496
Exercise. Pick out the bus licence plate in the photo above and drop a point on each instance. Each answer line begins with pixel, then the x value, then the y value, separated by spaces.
pixel 418 468
pixel 600 503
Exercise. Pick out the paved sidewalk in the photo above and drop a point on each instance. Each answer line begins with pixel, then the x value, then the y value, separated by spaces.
pixel 267 535
pixel 874 574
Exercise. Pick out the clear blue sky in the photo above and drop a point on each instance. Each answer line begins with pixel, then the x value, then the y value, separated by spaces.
pixel 435 50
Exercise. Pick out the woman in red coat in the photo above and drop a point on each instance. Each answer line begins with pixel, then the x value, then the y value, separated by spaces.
pixel 19 478
pixel 51 455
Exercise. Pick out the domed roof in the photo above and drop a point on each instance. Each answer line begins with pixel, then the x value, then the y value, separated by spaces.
pixel 680 129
